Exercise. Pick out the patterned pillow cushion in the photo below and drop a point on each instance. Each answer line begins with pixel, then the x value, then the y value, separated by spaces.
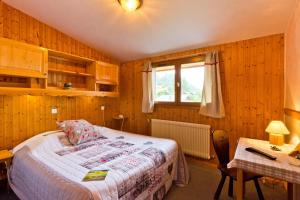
pixel 79 131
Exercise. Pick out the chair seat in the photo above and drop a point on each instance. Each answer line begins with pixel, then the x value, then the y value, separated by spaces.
pixel 232 172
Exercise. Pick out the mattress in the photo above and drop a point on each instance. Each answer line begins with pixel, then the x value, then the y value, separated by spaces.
pixel 48 167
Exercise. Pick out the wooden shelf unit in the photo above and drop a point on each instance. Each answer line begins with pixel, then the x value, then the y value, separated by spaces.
pixel 107 77
pixel 70 72
pixel 53 92
pixel 29 69
pixel 67 68
pixel 67 56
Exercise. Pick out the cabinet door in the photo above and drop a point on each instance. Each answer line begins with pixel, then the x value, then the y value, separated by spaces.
pixel 21 59
pixel 107 72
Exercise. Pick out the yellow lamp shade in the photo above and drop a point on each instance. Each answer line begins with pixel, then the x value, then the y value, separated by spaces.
pixel 276 130
pixel 277 127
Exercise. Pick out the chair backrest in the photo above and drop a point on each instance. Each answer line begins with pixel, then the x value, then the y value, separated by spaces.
pixel 221 146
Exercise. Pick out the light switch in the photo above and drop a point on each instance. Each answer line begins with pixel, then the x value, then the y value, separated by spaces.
pixel 54 110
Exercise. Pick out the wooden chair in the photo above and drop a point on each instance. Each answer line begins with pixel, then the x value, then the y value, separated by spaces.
pixel 221 145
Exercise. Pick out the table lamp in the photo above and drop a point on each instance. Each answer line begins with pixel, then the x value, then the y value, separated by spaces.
pixel 277 130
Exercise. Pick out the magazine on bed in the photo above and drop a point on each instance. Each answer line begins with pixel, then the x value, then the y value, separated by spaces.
pixel 95 175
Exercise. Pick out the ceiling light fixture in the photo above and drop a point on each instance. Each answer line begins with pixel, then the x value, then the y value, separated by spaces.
pixel 130 5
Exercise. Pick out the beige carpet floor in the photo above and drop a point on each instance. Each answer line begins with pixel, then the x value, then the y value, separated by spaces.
pixel 204 181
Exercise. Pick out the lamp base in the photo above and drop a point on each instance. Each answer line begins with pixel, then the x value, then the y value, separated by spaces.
pixel 276 139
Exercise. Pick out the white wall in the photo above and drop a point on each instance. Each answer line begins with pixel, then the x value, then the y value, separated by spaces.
pixel 292 69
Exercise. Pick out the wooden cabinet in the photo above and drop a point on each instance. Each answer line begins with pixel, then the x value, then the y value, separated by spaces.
pixel 29 69
pixel 107 73
pixel 21 59
pixel 107 78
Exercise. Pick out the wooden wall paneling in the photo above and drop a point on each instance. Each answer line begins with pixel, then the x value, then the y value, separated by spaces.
pixel 268 81
pixel 8 121
pixel 278 78
pixel 24 116
pixel 23 27
pixel 2 124
pixel 16 130
pixel 240 70
pixel 232 93
pixel 138 95
pixel 15 31
pixel 126 88
pixel 4 11
pixel 260 76
pixel 1 19
pixel 248 71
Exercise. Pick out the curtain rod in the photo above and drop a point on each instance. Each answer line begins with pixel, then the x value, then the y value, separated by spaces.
pixel 176 57
pixel 179 57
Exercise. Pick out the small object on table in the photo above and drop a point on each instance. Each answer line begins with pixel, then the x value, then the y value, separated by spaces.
pixel 275 148
pixel 6 157
pixel 253 150
pixel 68 86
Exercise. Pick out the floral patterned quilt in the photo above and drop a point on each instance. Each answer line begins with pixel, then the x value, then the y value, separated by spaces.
pixel 139 167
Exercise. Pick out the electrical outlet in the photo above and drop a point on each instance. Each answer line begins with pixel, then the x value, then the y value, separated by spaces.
pixel 102 108
pixel 54 110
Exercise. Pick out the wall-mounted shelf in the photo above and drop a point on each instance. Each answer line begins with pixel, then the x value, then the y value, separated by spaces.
pixel 72 89
pixel 53 92
pixel 70 72
pixel 106 82
pixel 66 56
pixel 33 70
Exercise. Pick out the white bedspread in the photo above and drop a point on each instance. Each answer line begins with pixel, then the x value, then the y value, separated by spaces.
pixel 140 167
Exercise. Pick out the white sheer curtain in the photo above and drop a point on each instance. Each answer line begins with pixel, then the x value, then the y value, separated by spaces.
pixel 148 99
pixel 212 101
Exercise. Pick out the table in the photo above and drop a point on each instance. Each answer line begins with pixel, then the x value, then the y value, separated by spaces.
pixel 6 157
pixel 121 119
pixel 247 161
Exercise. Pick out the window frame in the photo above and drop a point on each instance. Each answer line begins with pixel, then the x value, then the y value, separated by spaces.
pixel 177 65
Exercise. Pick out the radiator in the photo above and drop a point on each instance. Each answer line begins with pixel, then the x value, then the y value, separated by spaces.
pixel 194 139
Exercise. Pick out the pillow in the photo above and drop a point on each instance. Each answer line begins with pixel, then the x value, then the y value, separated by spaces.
pixel 79 131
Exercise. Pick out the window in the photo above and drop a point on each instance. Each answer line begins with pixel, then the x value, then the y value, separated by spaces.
pixel 192 78
pixel 165 84
pixel 179 81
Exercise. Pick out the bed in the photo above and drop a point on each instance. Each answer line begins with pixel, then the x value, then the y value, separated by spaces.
pixel 48 167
